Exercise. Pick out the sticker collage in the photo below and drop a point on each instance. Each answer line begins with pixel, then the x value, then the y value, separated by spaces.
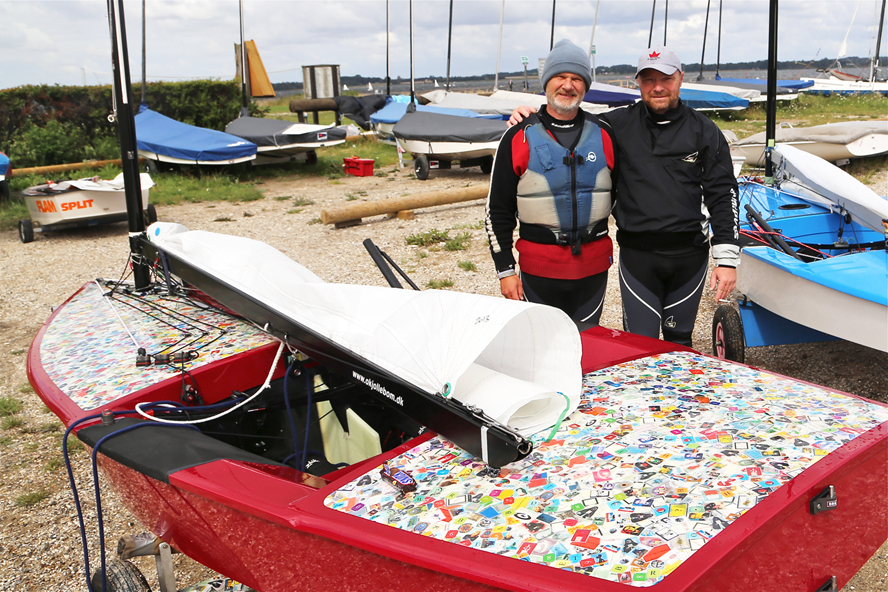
pixel 663 453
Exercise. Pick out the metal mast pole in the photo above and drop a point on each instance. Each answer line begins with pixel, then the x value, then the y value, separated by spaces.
pixel 245 109
pixel 718 52
pixel 771 120
pixel 388 78
pixel 499 47
pixel 665 22
pixel 592 39
pixel 144 90
pixel 653 13
pixel 449 39
pixel 875 71
pixel 552 34
pixel 126 135
pixel 412 88
pixel 705 31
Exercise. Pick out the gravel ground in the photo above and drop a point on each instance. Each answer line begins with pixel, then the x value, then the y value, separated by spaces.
pixel 39 543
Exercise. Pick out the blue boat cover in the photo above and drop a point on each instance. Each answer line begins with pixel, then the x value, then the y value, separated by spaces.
pixel 793 84
pixel 611 95
pixel 395 110
pixel 4 164
pixel 167 137
pixel 704 99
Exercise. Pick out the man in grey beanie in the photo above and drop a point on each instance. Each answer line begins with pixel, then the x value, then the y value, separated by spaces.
pixel 552 173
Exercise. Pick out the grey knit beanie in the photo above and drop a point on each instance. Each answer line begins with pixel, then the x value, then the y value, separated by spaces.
pixel 566 57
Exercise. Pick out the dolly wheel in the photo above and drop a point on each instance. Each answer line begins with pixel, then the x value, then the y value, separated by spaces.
pixel 728 340
pixel 421 167
pixel 487 165
pixel 120 576
pixel 150 214
pixel 4 190
pixel 26 231
pixel 311 157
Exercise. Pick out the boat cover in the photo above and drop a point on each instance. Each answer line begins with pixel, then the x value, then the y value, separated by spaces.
pixel 435 127
pixel 502 102
pixel 275 132
pixel 611 95
pixel 4 165
pixel 87 184
pixel 359 109
pixel 750 94
pixel 395 110
pixel 704 100
pixel 790 84
pixel 830 185
pixel 519 362
pixel 167 137
pixel 843 132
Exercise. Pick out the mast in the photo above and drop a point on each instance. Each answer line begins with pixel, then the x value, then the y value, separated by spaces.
pixel 126 135
pixel 388 77
pixel 705 31
pixel 552 34
pixel 718 55
pixel 144 90
pixel 245 110
pixel 651 34
pixel 875 66
pixel 771 119
pixel 592 39
pixel 412 88
pixel 449 39
pixel 499 47
pixel 665 22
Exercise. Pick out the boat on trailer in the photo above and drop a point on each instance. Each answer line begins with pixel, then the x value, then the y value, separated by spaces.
pixel 76 203
pixel 283 141
pixel 814 266
pixel 294 434
pixel 436 141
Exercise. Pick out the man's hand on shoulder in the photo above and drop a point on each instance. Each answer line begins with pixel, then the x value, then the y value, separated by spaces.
pixel 520 113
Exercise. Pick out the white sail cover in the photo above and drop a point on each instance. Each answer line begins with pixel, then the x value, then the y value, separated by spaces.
pixel 821 182
pixel 517 361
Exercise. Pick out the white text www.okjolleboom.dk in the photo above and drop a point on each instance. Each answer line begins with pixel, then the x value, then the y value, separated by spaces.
pixel 373 385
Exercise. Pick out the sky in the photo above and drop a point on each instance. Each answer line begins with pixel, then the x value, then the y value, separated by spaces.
pixel 67 42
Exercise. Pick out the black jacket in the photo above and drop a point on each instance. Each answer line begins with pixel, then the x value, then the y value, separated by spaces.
pixel 670 167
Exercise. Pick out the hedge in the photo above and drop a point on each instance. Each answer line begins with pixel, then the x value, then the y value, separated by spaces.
pixel 46 125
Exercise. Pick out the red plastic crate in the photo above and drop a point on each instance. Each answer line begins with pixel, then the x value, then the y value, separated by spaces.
pixel 359 167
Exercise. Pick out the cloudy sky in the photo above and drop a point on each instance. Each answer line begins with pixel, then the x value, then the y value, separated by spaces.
pixel 67 42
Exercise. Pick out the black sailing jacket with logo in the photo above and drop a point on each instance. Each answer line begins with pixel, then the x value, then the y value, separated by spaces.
pixel 675 178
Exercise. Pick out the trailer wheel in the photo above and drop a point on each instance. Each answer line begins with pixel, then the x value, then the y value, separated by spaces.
pixel 487 165
pixel 120 576
pixel 4 190
pixel 421 167
pixel 26 231
pixel 150 214
pixel 151 166
pixel 311 157
pixel 728 340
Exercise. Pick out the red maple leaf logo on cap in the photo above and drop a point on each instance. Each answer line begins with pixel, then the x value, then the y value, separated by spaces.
pixel 654 55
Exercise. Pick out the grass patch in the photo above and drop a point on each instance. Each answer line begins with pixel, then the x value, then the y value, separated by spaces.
pixel 426 239
pixel 32 498
pixel 467 266
pixel 75 446
pixel 54 464
pixel 302 201
pixel 315 221
pixel 17 352
pixel 479 225
pixel 5 441
pixel 351 197
pixel 9 406
pixel 295 211
pixel 223 219
pixel 11 422
pixel 440 284
pixel 25 388
pixel 283 197
pixel 459 243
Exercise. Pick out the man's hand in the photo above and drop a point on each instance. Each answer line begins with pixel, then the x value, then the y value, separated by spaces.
pixel 520 113
pixel 511 288
pixel 723 281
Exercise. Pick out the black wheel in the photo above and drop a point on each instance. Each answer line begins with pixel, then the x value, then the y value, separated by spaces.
pixel 487 165
pixel 120 576
pixel 26 231
pixel 150 214
pixel 421 167
pixel 728 340
pixel 151 166
pixel 311 157
pixel 4 190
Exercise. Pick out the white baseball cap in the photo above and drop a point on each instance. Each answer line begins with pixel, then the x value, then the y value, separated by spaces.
pixel 659 58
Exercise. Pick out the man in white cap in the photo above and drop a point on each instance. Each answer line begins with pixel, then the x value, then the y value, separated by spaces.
pixel 552 173
pixel 675 197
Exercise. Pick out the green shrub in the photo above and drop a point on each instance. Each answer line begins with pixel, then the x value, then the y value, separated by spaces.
pixel 426 239
pixel 9 406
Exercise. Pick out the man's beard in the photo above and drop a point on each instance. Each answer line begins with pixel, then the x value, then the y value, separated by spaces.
pixel 558 104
